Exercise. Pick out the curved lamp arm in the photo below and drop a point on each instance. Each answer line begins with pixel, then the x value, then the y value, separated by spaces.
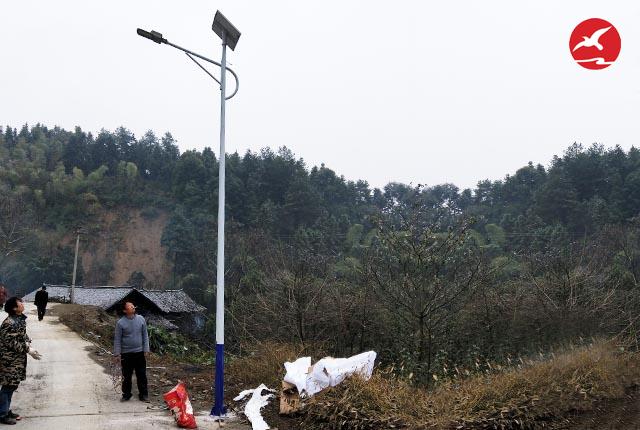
pixel 192 54
pixel 157 38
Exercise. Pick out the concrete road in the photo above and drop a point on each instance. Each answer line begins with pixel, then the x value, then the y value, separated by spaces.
pixel 68 390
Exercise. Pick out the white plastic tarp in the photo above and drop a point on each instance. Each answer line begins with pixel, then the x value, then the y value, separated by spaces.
pixel 253 406
pixel 327 372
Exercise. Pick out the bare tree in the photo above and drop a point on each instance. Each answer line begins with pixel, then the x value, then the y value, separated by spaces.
pixel 423 268
pixel 287 299
pixel 575 290
pixel 14 227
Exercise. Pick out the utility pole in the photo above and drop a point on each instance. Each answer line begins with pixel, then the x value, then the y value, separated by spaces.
pixel 75 268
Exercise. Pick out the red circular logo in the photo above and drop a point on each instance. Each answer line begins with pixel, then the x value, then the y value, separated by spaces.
pixel 595 44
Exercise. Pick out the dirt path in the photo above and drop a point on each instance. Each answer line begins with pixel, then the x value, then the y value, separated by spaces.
pixel 619 414
pixel 68 390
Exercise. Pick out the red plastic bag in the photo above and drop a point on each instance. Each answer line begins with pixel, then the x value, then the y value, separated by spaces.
pixel 178 402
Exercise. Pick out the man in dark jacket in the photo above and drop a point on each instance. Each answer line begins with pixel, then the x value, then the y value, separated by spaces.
pixel 42 298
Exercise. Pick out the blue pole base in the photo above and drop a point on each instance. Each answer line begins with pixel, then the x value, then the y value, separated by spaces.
pixel 219 409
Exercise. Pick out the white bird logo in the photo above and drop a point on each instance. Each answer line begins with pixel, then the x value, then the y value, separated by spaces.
pixel 593 40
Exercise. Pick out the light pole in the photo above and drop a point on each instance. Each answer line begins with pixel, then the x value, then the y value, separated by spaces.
pixel 72 297
pixel 72 294
pixel 229 35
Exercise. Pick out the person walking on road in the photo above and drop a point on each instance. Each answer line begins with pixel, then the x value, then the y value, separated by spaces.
pixel 14 347
pixel 131 345
pixel 42 298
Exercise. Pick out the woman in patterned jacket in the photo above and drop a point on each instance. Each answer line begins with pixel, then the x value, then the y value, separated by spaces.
pixel 14 347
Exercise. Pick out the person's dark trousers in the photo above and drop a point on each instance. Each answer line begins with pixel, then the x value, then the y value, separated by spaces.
pixel 134 361
pixel 41 311
pixel 6 392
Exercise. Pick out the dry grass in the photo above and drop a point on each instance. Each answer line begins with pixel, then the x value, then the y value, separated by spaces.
pixel 381 402
pixel 263 365
pixel 265 362
pixel 538 396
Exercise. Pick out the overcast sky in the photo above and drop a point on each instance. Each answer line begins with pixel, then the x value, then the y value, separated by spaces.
pixel 421 92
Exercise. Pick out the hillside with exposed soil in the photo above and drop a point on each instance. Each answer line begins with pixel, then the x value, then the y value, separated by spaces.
pixel 122 243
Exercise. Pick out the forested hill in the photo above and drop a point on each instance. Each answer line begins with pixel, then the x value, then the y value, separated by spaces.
pixel 63 176
pixel 287 217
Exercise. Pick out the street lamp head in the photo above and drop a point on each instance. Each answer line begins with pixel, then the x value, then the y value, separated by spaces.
pixel 153 35
pixel 227 32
